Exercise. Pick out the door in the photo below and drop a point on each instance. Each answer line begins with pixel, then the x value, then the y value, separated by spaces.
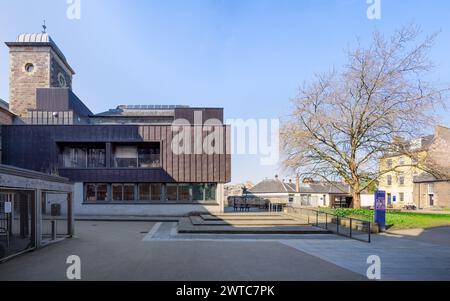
pixel 431 199
pixel 17 222
pixel 389 198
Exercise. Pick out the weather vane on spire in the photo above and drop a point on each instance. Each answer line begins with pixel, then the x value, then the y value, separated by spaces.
pixel 44 27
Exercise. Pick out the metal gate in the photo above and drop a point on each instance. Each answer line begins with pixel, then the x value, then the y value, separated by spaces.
pixel 16 223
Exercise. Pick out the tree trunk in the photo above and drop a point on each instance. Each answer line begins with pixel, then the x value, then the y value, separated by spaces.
pixel 356 202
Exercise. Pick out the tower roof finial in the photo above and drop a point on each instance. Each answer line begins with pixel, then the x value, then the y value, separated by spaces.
pixel 44 27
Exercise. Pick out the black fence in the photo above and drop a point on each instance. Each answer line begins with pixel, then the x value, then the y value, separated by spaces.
pixel 345 226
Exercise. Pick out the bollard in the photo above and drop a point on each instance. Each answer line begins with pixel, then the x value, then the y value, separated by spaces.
pixel 53 229
pixel 351 220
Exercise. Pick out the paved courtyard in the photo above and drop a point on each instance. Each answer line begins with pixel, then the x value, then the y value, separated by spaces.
pixel 154 251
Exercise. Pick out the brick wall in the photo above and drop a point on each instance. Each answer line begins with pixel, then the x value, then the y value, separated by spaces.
pixel 23 84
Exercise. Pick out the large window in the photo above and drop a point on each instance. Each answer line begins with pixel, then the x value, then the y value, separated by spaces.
pixel 191 192
pixel 155 192
pixel 150 192
pixel 83 157
pixel 210 192
pixel 198 192
pixel 172 192
pixel 184 192
pixel 117 192
pixel 96 192
pixel 129 156
pixel 128 192
pixel 144 192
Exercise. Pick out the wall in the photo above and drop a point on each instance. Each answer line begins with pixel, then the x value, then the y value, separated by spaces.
pixel 5 117
pixel 441 192
pixel 368 200
pixel 396 188
pixel 188 168
pixel 22 84
pixel 159 209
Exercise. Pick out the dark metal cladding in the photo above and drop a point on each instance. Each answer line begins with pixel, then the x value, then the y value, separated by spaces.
pixel 36 147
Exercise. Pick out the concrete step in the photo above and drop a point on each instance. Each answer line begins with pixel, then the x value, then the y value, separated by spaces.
pixel 197 220
pixel 196 224
pixel 244 217
pixel 185 226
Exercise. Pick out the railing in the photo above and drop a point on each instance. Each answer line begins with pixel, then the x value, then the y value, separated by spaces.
pixel 345 226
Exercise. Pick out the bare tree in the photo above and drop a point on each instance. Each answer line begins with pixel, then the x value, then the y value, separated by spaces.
pixel 344 122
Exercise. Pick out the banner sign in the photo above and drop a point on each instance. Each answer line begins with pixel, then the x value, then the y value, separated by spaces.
pixel 380 209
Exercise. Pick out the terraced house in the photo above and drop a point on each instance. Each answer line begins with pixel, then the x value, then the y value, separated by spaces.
pixel 122 161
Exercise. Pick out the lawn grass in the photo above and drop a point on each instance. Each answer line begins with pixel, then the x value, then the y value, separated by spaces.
pixel 396 220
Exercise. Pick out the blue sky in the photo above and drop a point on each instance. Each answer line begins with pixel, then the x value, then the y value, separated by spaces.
pixel 248 56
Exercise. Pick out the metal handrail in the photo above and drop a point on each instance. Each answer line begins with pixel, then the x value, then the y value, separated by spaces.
pixel 338 222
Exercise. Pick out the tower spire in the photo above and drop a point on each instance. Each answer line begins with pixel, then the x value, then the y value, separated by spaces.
pixel 44 27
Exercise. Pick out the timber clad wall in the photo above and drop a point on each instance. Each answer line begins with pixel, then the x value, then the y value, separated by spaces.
pixel 36 148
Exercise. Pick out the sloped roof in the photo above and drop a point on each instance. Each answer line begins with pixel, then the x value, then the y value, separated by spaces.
pixel 277 186
pixel 141 111
pixel 272 186
pixel 39 39
pixel 4 104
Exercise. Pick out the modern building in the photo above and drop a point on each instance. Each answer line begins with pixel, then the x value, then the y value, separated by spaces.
pixel 131 160
pixel 308 193
pixel 405 169
pixel 35 208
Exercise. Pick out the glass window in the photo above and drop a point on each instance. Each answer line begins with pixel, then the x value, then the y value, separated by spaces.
pixel 430 189
pixel 126 156
pixel 117 192
pixel 128 192
pixel 184 192
pixel 171 192
pixel 401 197
pixel 81 157
pixel 137 156
pixel 155 192
pixel 74 157
pixel 144 192
pixel 401 179
pixel 102 192
pixel 90 193
pixel 401 161
pixel 198 192
pixel 148 157
pixel 389 180
pixel 389 163
pixel 210 192
pixel 96 157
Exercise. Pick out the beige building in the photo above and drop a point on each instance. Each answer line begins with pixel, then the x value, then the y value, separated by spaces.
pixel 403 170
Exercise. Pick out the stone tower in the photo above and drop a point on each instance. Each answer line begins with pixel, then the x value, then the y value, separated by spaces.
pixel 35 62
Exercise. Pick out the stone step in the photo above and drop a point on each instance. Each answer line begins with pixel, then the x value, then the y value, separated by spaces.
pixel 185 226
pixel 244 217
pixel 198 221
